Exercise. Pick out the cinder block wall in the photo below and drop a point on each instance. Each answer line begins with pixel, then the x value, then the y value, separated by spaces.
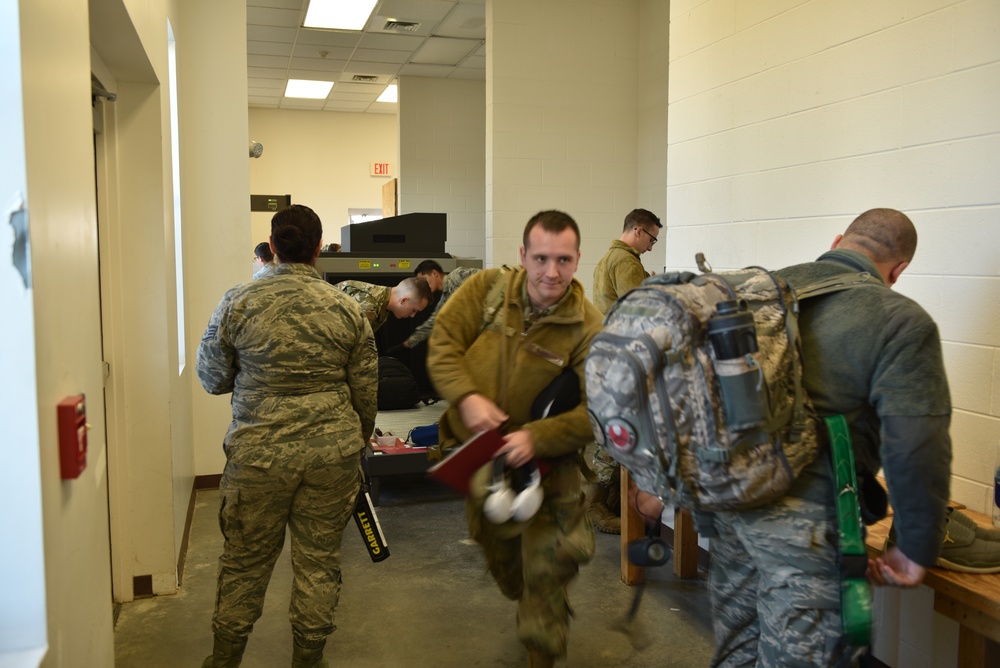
pixel 787 119
pixel 442 149
pixel 561 120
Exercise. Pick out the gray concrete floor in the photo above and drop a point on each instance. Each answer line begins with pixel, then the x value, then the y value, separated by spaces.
pixel 430 604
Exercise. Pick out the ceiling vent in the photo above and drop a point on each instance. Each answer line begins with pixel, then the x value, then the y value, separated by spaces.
pixel 365 78
pixel 401 26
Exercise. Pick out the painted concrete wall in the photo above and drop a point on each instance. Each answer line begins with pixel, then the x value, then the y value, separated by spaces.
pixel 442 148
pixel 323 159
pixel 787 119
pixel 215 181
pixel 551 143
pixel 58 140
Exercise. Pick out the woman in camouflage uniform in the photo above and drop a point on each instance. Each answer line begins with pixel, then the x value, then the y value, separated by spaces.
pixel 299 357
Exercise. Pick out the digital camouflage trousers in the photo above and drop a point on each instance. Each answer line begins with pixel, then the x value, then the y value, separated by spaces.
pixel 309 489
pixel 774 585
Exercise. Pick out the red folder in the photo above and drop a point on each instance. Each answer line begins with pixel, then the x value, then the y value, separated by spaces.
pixel 457 469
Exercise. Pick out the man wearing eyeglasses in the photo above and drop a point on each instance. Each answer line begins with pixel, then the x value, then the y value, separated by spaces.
pixel 619 271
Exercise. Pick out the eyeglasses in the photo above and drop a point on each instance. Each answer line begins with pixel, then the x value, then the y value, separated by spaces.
pixel 652 238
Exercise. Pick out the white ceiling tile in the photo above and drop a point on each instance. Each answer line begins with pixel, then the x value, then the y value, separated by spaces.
pixel 278 62
pixel 416 10
pixel 277 85
pixel 332 52
pixel 270 34
pixel 311 75
pixel 328 37
pixel 391 41
pixel 278 48
pixel 364 67
pixel 317 64
pixel 475 62
pixel 266 73
pixel 280 4
pixel 427 70
pixel 354 87
pixel 352 97
pixel 269 49
pixel 265 16
pixel 382 56
pixel 444 51
pixel 465 20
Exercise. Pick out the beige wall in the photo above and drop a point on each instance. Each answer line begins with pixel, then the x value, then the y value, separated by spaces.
pixel 215 181
pixel 442 148
pixel 789 118
pixel 551 142
pixel 323 159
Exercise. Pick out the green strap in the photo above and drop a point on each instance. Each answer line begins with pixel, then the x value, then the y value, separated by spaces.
pixel 855 591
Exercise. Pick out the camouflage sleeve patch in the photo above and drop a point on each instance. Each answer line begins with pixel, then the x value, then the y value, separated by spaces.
pixel 210 333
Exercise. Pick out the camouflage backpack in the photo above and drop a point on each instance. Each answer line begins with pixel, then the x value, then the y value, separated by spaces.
pixel 695 387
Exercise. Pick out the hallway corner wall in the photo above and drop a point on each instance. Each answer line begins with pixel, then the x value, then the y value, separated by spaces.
pixel 215 184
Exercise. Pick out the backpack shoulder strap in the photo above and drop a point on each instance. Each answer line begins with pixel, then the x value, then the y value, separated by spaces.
pixel 835 283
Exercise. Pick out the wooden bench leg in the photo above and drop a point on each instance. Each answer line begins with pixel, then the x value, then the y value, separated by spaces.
pixel 633 528
pixel 685 545
pixel 975 650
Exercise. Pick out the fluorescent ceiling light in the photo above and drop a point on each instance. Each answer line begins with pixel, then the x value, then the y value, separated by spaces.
pixel 390 94
pixel 338 14
pixel 316 90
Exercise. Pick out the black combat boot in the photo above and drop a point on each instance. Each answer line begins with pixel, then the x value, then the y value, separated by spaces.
pixel 225 654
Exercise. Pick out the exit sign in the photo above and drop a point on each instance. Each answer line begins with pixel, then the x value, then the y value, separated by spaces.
pixel 380 169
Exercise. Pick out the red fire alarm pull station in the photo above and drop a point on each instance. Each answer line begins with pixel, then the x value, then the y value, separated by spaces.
pixel 72 416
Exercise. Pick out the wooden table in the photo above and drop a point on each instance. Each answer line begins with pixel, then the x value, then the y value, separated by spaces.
pixel 972 600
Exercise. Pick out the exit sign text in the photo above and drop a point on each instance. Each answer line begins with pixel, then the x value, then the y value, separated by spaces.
pixel 381 169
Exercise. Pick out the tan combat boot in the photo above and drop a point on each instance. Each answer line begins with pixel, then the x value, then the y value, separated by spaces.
pixel 602 516
pixel 308 657
pixel 225 654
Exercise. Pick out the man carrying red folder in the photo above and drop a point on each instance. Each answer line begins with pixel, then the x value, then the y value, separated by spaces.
pixel 502 339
